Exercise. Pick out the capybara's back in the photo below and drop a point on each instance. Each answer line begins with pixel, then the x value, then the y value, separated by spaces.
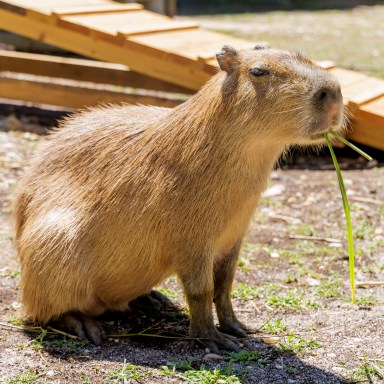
pixel 121 197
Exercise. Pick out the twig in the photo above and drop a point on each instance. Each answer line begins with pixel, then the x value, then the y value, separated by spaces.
pixel 366 284
pixel 54 330
pixel 366 200
pixel 38 330
pixel 267 321
pixel 22 327
pixel 314 238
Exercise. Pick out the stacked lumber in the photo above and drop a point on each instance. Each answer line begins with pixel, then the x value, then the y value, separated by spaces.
pixel 154 52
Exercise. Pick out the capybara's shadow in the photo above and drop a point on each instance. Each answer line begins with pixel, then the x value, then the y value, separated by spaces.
pixel 153 333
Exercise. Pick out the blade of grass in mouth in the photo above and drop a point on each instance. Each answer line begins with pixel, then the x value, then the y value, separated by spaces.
pixel 346 142
pixel 351 249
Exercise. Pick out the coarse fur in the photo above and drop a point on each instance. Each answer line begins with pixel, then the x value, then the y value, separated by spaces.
pixel 121 197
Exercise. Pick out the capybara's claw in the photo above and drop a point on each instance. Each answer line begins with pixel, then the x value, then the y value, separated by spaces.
pixel 217 341
pixel 83 326
pixel 235 328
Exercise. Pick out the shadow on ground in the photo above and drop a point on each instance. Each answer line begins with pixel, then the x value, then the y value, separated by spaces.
pixel 161 346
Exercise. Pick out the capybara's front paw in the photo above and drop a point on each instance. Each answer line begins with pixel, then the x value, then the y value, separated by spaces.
pixel 83 326
pixel 236 328
pixel 215 341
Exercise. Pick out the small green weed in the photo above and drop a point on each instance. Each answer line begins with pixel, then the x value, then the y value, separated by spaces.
pixel 66 345
pixel 246 256
pixel 290 279
pixel 165 370
pixel 37 343
pixel 245 292
pixel 291 300
pixel 244 357
pixel 182 364
pixel 302 230
pixel 364 231
pixel 125 374
pixel 368 372
pixel 329 289
pixel 25 377
pixel 274 327
pixel 13 273
pixel 297 344
pixel 85 379
pixel 366 300
pixel 203 376
pixel 14 320
pixel 170 293
pixel 200 375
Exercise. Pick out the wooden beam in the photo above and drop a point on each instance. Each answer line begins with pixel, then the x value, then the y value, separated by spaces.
pixel 83 70
pixel 151 61
pixel 74 96
pixel 94 9
pixel 368 124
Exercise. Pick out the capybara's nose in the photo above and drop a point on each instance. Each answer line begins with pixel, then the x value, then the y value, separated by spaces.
pixel 328 94
pixel 329 100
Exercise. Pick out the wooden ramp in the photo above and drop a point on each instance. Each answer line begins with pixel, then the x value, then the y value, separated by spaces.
pixel 170 51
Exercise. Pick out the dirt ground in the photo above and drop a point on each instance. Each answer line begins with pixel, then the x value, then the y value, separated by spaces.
pixel 292 282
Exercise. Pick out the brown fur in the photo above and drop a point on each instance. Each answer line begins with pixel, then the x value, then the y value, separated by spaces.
pixel 123 196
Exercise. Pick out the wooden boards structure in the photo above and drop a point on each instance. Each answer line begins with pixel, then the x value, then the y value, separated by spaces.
pixel 159 50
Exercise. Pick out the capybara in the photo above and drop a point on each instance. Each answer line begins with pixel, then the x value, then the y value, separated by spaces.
pixel 120 197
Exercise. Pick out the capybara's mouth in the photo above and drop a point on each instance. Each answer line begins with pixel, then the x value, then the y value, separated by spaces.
pixel 317 136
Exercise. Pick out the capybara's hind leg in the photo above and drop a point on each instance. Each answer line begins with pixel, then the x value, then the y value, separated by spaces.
pixel 82 326
pixel 154 299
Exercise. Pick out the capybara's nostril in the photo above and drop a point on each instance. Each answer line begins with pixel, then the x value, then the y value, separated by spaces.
pixel 323 95
pixel 328 94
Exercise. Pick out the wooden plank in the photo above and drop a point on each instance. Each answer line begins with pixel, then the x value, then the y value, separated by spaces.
pixel 95 9
pixel 46 6
pixel 372 113
pixel 128 23
pixel 347 77
pixel 129 31
pixel 144 59
pixel 82 70
pixel 46 92
pixel 364 91
pixel 326 64
pixel 367 134
pixel 193 43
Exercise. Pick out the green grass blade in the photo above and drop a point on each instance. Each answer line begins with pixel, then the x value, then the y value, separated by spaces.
pixel 346 142
pixel 347 212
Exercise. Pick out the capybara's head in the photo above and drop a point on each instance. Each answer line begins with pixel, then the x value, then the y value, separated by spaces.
pixel 287 96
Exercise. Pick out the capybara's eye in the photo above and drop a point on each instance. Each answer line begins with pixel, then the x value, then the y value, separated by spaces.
pixel 258 72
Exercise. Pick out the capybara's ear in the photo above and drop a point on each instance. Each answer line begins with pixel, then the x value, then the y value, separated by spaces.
pixel 261 46
pixel 228 59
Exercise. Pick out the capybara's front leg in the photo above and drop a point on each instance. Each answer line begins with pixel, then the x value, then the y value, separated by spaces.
pixel 199 287
pixel 224 272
